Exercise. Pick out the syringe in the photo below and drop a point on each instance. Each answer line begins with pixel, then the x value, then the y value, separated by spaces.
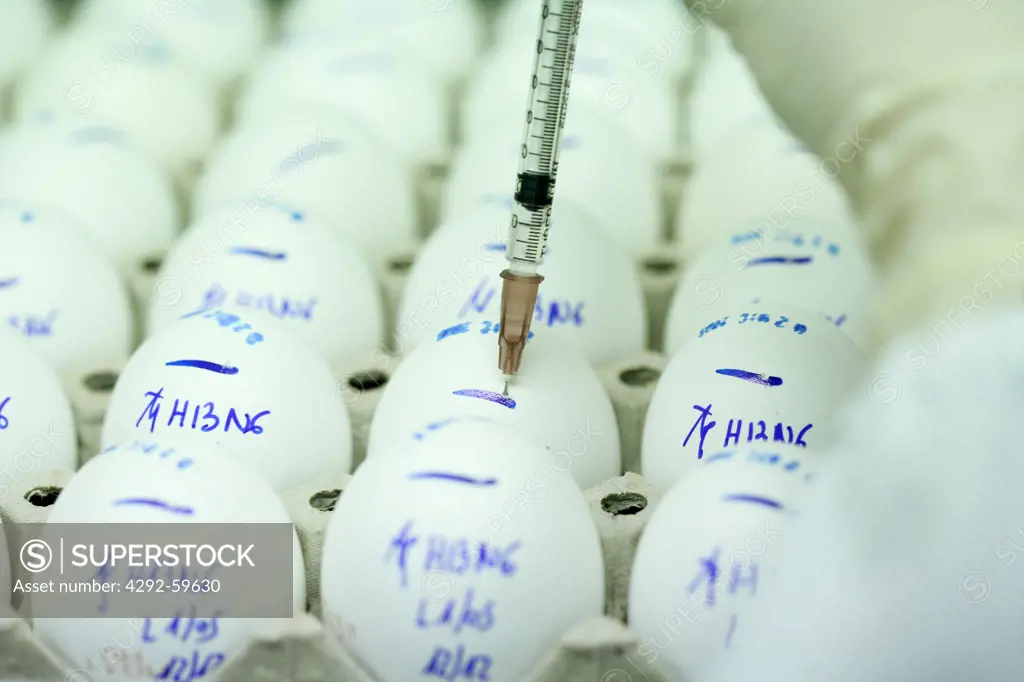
pixel 535 180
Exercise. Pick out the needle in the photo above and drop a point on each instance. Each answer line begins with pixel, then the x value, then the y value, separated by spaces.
pixel 535 179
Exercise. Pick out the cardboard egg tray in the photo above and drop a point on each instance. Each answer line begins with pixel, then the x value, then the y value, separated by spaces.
pixel 602 649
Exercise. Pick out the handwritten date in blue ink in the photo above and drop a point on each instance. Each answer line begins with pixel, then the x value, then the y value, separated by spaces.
pixel 486 327
pixel 4 421
pixel 797 239
pixel 281 307
pixel 756 431
pixel 457 665
pixel 193 667
pixel 778 321
pixel 145 448
pixel 227 320
pixel 182 628
pixel 204 416
pixel 764 458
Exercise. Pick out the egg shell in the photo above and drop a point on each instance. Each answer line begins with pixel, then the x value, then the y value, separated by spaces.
pixel 391 94
pixel 725 98
pixel 100 76
pixel 599 167
pixel 657 35
pixel 445 35
pixel 590 294
pixel 321 162
pixel 640 106
pixel 60 292
pixel 760 375
pixel 254 387
pixel 817 266
pixel 707 549
pixel 280 263
pixel 449 565
pixel 217 489
pixel 37 427
pixel 763 178
pixel 218 40
pixel 94 173
pixel 24 27
pixel 556 397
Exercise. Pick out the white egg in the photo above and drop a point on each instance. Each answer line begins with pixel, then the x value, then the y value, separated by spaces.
pixel 762 374
pixel 599 167
pixel 813 265
pixel 590 294
pixel 275 262
pixel 320 163
pixel 763 179
pixel 24 26
pixel 37 428
pixel 710 544
pixel 725 98
pixel 443 33
pixel 389 93
pixel 218 40
pixel 102 77
pixel 93 173
pixel 163 482
pixel 241 382
pixel 608 86
pixel 656 35
pixel 556 397
pixel 918 519
pixel 60 293
pixel 471 586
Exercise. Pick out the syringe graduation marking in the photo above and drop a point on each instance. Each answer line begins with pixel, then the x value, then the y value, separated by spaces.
pixel 538 163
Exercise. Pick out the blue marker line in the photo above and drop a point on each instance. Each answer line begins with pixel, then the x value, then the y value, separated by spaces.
pixel 496 398
pixel 494 247
pixel 6 283
pixel 732 629
pixel 753 499
pixel 443 476
pixel 203 364
pixel 257 253
pixel 752 377
pixel 780 260
pixel 158 504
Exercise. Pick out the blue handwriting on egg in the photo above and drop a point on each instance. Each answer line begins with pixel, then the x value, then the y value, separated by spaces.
pixel 706 582
pixel 456 613
pixel 457 665
pixel 204 416
pixel 486 327
pixel 34 325
pixel 449 555
pixel 4 422
pixel 281 307
pixel 149 448
pixel 756 432
pixel 188 630
pixel 227 320
pixel 778 321
pixel 548 313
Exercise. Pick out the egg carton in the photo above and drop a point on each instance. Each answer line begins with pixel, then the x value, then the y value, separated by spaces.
pixel 600 649
pixel 299 650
